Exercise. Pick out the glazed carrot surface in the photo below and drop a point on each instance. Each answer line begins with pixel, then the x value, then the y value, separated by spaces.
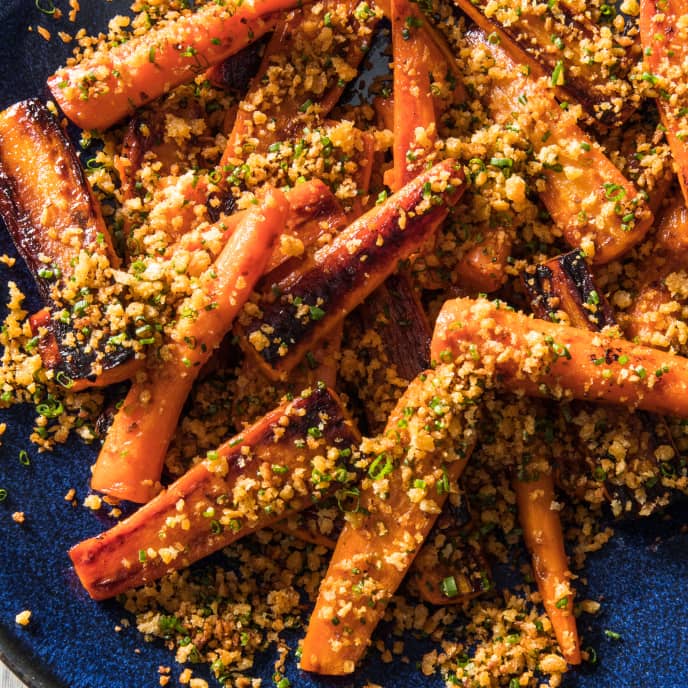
pixel 98 93
pixel 131 459
pixel 547 359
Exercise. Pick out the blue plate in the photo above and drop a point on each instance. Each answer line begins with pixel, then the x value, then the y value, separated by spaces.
pixel 641 576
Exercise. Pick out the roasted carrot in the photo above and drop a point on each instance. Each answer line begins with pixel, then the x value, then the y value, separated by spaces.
pixel 415 128
pixel 413 467
pixel 314 211
pixel 131 460
pixel 565 286
pixel 57 226
pixel 541 41
pixel 450 567
pixel 99 91
pixel 589 199
pixel 286 461
pixel 391 336
pixel 544 539
pixel 53 215
pixel 304 306
pixel 482 268
pixel 540 358
pixel 665 50
pixel 648 320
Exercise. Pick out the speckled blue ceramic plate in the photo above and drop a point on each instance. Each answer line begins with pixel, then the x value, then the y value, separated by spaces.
pixel 642 576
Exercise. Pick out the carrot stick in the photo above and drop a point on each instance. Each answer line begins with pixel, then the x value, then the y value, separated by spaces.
pixel 648 321
pixel 528 40
pixel 539 358
pixel 307 304
pixel 412 470
pixel 415 129
pixel 131 460
pixel 545 542
pixel 665 47
pixel 101 90
pixel 585 193
pixel 250 482
pixel 313 211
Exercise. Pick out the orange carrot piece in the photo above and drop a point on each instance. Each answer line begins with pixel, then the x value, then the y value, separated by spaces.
pixel 250 482
pixel 131 460
pixel 530 39
pixel 380 541
pixel 307 304
pixel 586 195
pixel 539 358
pixel 545 542
pixel 287 117
pixel 101 90
pixel 313 211
pixel 415 129
pixel 665 47
pixel 483 267
pixel 43 211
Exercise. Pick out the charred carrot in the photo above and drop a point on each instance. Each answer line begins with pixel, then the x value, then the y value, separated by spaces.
pixel 132 456
pixel 286 461
pixel 305 306
pixel 565 285
pixel 413 466
pixel 665 49
pixel 99 91
pixel 393 347
pixel 595 206
pixel 285 118
pixel 544 539
pixel 548 359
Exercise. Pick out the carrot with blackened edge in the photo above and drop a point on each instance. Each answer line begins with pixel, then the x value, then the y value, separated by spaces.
pixel 57 225
pixel 289 459
pixel 307 304
pixel 544 539
pixel 130 463
pixel 589 199
pixel 285 118
pixel 104 88
pixel 540 358
pixel 665 48
pixel 413 466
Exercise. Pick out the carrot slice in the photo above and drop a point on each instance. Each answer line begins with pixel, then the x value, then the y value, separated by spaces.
pixel 306 305
pixel 98 92
pixel 539 358
pixel 408 481
pixel 665 47
pixel 289 459
pixel 587 196
pixel 130 463
pixel 415 129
